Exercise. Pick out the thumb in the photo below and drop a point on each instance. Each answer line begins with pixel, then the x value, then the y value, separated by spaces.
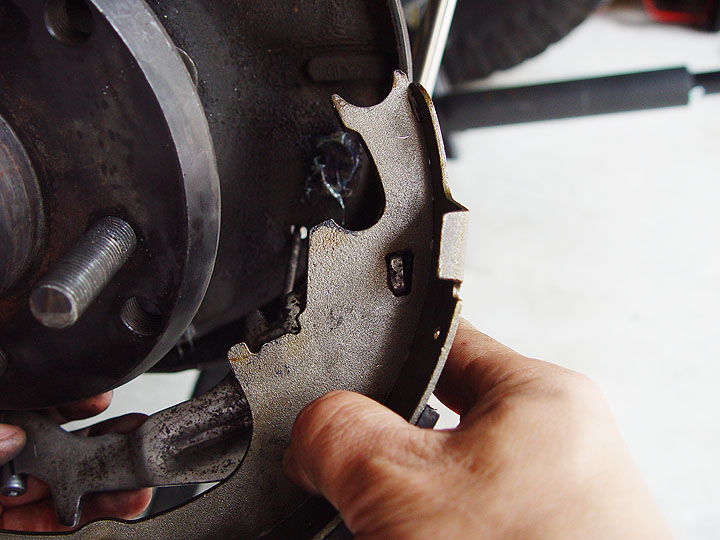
pixel 351 449
pixel 12 440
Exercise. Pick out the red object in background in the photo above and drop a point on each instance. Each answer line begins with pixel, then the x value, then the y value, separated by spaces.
pixel 702 13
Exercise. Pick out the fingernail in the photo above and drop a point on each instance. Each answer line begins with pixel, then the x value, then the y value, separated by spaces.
pixel 8 433
pixel 12 440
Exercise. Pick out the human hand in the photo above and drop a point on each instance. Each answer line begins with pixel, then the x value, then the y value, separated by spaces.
pixel 537 455
pixel 34 511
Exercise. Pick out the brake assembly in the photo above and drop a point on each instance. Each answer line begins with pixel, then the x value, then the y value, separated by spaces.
pixel 161 163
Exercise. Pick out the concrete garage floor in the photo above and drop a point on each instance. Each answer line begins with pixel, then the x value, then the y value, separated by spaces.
pixel 593 244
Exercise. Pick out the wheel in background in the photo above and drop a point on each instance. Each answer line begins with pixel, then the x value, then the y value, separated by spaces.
pixel 490 35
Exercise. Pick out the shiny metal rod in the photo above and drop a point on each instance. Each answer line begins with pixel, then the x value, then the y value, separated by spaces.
pixel 429 47
pixel 11 484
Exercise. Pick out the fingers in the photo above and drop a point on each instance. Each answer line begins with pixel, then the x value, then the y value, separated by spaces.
pixel 80 410
pixel 476 365
pixel 37 490
pixel 121 424
pixel 12 441
pixel 36 517
pixel 34 511
pixel 343 445
pixel 119 504
pixel 40 516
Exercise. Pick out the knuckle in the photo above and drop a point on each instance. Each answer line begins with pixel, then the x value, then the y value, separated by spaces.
pixel 318 420
pixel 579 387
pixel 586 384
pixel 557 384
pixel 318 412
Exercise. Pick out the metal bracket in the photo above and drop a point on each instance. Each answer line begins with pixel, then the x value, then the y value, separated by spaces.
pixel 201 440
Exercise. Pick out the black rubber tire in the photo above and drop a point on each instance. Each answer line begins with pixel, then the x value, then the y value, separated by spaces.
pixel 490 35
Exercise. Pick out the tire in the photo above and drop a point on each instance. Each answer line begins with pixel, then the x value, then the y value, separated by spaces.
pixel 490 35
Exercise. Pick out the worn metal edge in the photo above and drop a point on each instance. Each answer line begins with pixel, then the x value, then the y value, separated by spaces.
pixel 157 57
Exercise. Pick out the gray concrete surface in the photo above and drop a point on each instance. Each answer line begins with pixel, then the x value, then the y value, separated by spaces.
pixel 594 244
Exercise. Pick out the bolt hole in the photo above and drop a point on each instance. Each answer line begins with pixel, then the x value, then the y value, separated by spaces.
pixel 142 317
pixel 69 21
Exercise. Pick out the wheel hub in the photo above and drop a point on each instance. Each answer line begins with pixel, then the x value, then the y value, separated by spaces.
pixel 20 209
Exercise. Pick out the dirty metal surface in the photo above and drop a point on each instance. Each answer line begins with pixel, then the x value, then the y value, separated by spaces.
pixel 112 125
pixel 201 440
pixel 103 116
pixel 266 73
pixel 355 333
pixel 20 209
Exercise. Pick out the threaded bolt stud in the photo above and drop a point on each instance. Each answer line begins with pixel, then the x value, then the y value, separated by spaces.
pixel 63 295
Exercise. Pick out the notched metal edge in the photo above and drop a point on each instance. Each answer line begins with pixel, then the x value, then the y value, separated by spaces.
pixel 346 111
pixel 455 217
pixel 450 247
pixel 345 108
